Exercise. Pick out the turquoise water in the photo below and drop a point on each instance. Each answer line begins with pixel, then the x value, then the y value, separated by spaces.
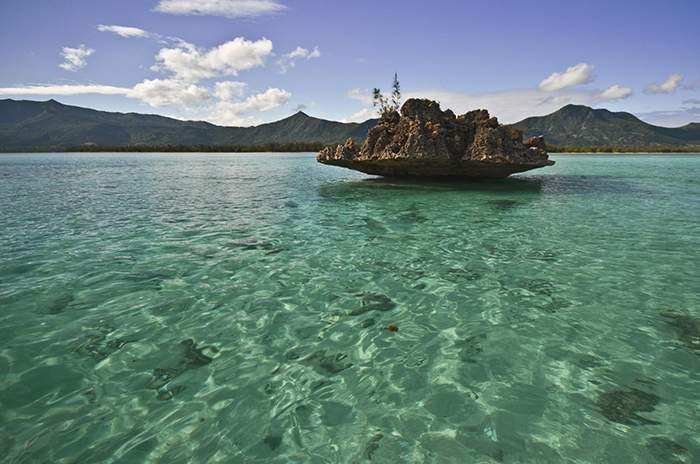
pixel 234 308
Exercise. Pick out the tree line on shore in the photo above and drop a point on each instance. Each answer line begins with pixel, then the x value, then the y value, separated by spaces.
pixel 294 147
pixel 613 149
pixel 267 147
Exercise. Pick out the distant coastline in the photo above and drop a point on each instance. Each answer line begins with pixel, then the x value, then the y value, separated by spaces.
pixel 622 150
pixel 292 147
pixel 31 126
pixel 301 147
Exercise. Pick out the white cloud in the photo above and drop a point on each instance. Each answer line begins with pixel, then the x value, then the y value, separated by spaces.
pixel 668 86
pixel 300 53
pixel 230 110
pixel 362 95
pixel 266 101
pixel 123 31
pixel 581 73
pixel 155 92
pixel 509 106
pixel 226 8
pixel 169 92
pixel 188 62
pixel 671 118
pixel 75 58
pixel 65 90
pixel 615 92
pixel 229 90
pixel 186 65
pixel 225 105
pixel 362 115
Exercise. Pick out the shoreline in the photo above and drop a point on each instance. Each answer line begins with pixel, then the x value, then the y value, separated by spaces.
pixel 262 151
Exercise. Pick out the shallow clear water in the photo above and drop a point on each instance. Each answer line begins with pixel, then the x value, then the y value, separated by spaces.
pixel 234 308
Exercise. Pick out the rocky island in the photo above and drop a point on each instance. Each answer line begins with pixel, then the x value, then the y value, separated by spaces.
pixel 424 141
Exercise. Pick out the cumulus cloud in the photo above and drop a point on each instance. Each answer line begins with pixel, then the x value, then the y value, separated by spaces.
pixel 186 65
pixel 233 110
pixel 188 62
pixel 300 53
pixel 169 92
pixel 615 92
pixel 226 8
pixel 124 31
pixel 229 90
pixel 226 105
pixel 581 73
pixel 266 101
pixel 668 86
pixel 225 102
pixel 75 58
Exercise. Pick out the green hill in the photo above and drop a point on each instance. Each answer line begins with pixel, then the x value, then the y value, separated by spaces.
pixel 578 125
pixel 52 126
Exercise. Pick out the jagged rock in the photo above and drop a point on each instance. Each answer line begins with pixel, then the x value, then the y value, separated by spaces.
pixel 425 141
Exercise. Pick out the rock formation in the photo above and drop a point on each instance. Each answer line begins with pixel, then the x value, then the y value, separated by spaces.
pixel 425 141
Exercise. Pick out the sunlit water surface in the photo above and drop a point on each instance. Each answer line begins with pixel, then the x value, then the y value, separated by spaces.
pixel 178 308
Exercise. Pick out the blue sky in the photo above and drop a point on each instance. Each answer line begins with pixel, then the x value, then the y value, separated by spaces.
pixel 243 62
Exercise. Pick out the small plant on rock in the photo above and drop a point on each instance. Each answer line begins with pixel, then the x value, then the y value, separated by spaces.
pixel 386 105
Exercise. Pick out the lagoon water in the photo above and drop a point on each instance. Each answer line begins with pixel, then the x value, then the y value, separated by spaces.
pixel 174 308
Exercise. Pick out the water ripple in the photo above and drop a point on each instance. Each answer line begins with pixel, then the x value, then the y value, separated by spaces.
pixel 236 308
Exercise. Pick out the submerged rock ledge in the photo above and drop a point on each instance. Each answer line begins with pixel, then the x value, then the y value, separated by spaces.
pixel 424 141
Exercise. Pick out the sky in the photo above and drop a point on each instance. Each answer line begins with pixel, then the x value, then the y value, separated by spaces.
pixel 246 62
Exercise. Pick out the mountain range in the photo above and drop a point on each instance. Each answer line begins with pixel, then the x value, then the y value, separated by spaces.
pixel 53 126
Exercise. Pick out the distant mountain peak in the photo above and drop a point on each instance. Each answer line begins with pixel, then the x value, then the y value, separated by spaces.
pixel 574 108
pixel 580 125
pixel 574 105
pixel 299 115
